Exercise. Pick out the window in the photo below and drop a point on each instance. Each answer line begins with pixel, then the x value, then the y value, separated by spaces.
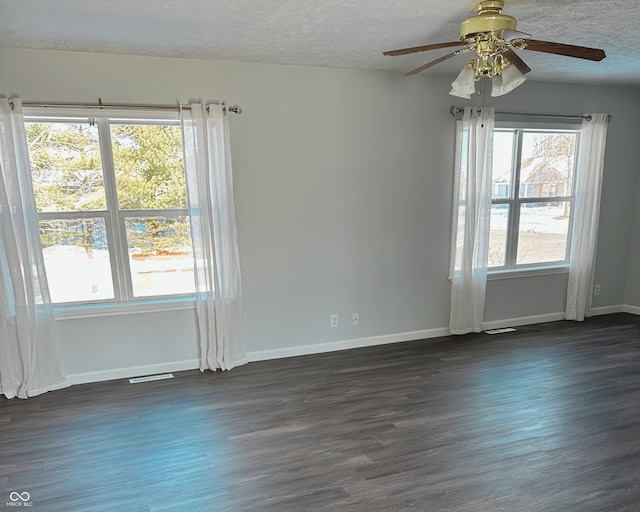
pixel 532 197
pixel 112 205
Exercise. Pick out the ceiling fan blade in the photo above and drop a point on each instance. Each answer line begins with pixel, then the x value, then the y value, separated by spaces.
pixel 569 50
pixel 429 64
pixel 508 33
pixel 416 49
pixel 517 61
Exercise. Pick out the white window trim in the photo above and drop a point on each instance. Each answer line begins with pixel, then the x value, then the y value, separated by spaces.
pixel 512 270
pixel 98 309
pixel 126 303
pixel 517 273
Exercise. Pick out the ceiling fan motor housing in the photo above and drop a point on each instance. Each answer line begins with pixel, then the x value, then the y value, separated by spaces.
pixel 488 19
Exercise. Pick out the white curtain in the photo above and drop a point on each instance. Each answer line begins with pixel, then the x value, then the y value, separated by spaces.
pixel 472 203
pixel 29 363
pixel 213 227
pixel 586 215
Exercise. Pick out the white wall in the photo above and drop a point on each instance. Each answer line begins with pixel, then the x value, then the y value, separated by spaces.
pixel 343 183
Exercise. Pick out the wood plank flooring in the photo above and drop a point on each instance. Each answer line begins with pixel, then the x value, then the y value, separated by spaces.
pixel 543 419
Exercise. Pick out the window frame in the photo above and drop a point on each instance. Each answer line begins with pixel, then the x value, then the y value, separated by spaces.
pixel 113 216
pixel 515 202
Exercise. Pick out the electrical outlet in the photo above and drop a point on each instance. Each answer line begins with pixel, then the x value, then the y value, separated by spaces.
pixel 355 318
pixel 596 289
pixel 335 320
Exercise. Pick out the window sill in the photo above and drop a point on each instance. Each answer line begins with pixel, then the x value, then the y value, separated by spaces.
pixel 529 272
pixel 122 308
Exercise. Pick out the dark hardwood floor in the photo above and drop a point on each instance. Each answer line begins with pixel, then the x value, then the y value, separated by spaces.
pixel 543 419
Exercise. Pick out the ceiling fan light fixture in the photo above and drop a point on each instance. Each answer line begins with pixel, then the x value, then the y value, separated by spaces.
pixel 465 84
pixel 460 94
pixel 489 19
pixel 493 39
pixel 507 81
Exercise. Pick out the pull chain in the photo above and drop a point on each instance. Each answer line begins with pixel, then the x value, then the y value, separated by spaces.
pixel 482 93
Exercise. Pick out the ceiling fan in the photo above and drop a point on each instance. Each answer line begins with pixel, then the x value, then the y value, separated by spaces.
pixel 493 37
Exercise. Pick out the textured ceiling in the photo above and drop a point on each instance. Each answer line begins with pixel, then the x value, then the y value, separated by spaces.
pixel 333 33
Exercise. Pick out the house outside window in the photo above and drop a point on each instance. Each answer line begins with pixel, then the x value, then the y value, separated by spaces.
pixel 111 198
pixel 532 197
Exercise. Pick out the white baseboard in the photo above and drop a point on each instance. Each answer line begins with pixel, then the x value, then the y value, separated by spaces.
pixel 523 320
pixel 261 355
pixel 554 317
pixel 634 310
pixel 132 371
pixel 607 310
pixel 319 348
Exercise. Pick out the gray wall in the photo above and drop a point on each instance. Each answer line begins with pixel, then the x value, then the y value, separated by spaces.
pixel 619 198
pixel 343 184
pixel 632 298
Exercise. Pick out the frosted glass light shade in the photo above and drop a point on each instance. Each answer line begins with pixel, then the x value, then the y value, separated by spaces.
pixel 465 85
pixel 507 81
pixel 459 94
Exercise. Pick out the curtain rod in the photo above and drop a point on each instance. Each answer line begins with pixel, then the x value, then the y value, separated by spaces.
pixel 458 110
pixel 236 109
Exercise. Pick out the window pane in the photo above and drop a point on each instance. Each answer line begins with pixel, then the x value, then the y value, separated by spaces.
pixel 66 167
pixel 76 259
pixel 498 235
pixel 547 164
pixel 502 170
pixel 160 255
pixel 544 229
pixel 149 166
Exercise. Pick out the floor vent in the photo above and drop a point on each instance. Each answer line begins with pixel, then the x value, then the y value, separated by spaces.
pixel 151 377
pixel 500 331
